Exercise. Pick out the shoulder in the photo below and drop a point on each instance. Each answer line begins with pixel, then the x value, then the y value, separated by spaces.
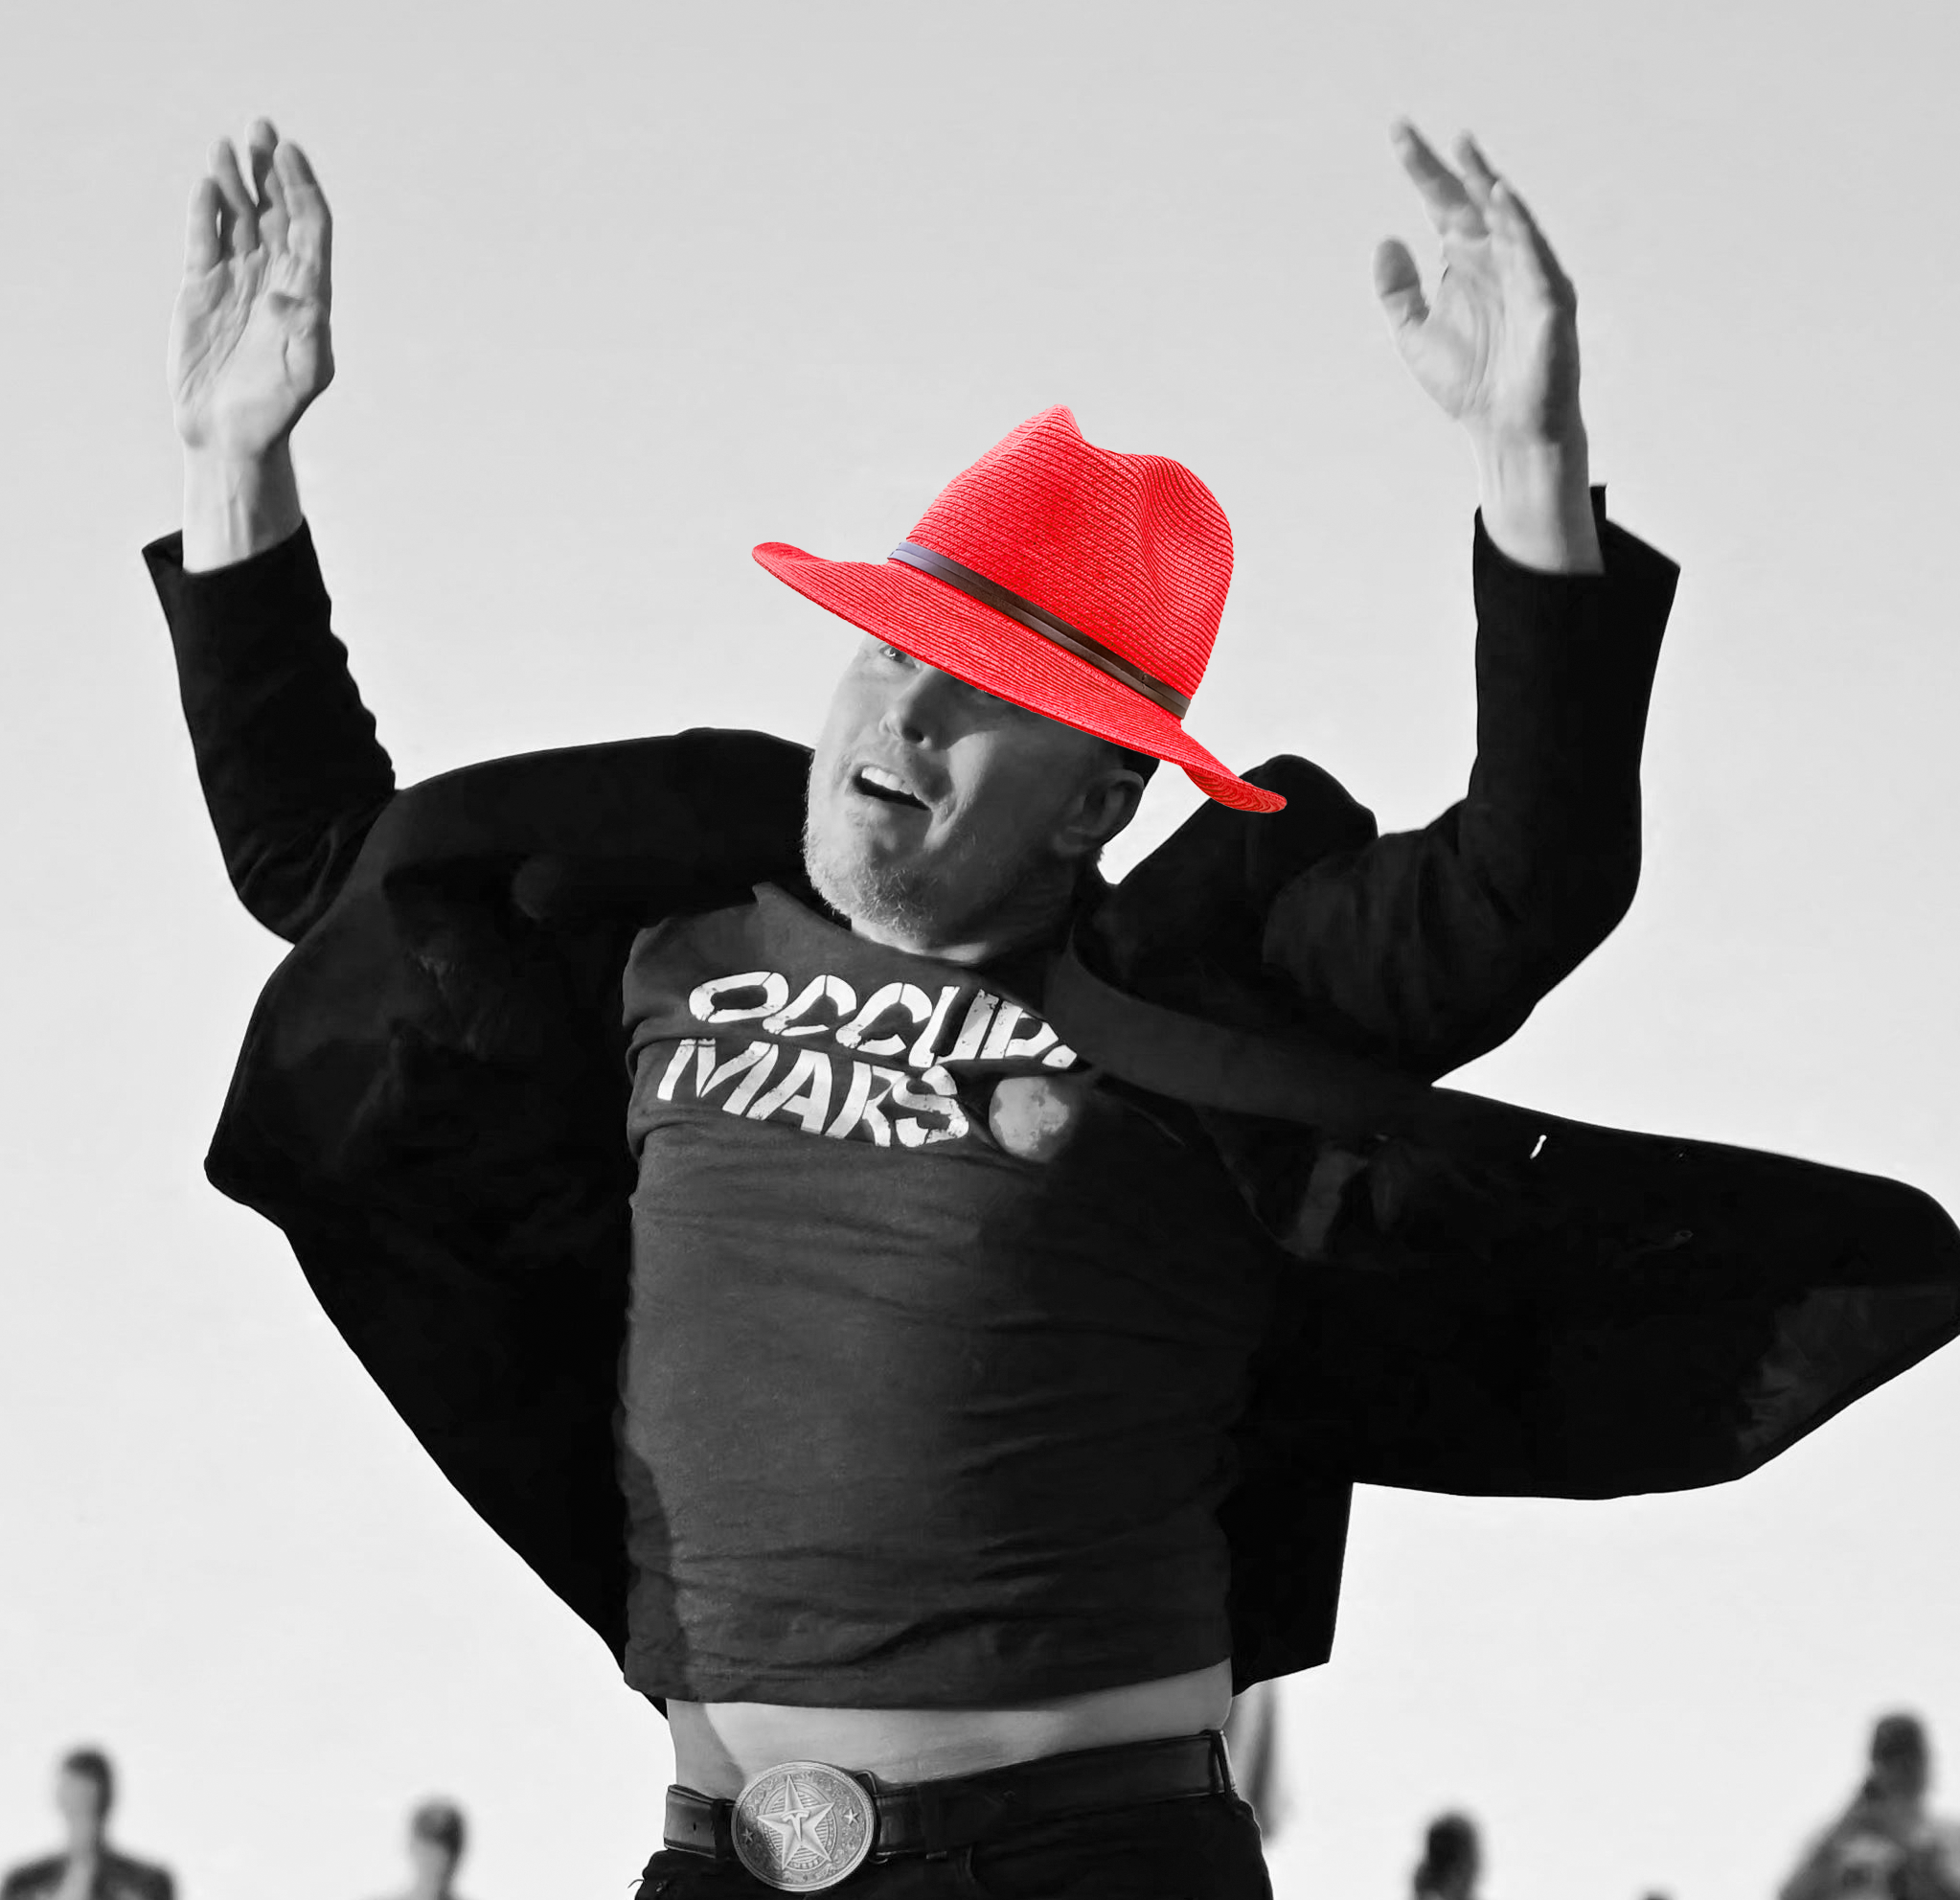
pixel 1201 897
pixel 702 764
pixel 32 1878
pixel 1246 856
pixel 139 1880
pixel 675 806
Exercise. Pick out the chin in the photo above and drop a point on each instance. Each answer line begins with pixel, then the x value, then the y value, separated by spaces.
pixel 856 879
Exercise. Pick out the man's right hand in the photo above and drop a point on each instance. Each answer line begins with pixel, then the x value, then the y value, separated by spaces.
pixel 249 347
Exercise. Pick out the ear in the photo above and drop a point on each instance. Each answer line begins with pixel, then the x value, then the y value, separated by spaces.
pixel 1105 804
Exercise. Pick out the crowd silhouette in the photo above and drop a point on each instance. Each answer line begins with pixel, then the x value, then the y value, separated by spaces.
pixel 1886 1845
pixel 87 1868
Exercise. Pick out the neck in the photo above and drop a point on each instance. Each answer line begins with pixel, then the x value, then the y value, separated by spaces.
pixel 1037 911
pixel 982 946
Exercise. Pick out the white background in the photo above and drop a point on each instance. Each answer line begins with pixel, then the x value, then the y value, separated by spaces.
pixel 625 288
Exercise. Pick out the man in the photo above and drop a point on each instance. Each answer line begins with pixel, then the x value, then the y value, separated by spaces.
pixel 989 1383
pixel 88 1868
pixel 1886 1844
pixel 435 1838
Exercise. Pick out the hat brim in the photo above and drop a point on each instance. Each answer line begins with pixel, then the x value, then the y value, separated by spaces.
pixel 948 630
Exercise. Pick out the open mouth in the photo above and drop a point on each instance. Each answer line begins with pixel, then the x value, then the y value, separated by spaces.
pixel 875 782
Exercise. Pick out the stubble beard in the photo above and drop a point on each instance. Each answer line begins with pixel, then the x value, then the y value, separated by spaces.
pixel 911 900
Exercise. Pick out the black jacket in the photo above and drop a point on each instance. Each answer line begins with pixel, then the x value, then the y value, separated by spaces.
pixel 431 1096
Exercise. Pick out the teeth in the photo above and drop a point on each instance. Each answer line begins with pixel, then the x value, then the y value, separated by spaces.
pixel 891 782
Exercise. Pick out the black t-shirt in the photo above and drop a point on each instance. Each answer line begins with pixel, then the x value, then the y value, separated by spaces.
pixel 935 1336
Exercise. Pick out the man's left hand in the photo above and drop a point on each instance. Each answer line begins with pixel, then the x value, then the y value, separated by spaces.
pixel 1496 345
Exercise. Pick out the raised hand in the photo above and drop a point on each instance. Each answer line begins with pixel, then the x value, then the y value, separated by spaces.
pixel 249 345
pixel 1496 344
pixel 1497 341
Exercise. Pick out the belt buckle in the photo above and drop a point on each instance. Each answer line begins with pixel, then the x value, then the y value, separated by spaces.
pixel 803 1826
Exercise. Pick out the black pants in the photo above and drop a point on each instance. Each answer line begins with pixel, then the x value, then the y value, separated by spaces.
pixel 1201 1847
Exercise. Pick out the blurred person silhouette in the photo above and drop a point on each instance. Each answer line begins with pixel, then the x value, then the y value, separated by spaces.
pixel 436 1839
pixel 1453 1859
pixel 1886 1844
pixel 88 1868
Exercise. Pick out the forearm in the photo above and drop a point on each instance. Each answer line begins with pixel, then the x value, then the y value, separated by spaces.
pixel 1429 946
pixel 1565 670
pixel 1536 503
pixel 292 770
pixel 237 506
pixel 1546 841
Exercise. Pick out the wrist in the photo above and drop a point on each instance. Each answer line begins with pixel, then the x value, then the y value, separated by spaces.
pixel 238 505
pixel 1536 496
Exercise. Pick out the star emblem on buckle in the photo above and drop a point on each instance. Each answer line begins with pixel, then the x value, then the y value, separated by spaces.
pixel 803 1826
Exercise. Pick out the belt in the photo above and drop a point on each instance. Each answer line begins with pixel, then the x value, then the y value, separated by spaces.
pixel 800 1827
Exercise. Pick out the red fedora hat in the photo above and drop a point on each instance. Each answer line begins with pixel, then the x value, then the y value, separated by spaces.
pixel 1080 584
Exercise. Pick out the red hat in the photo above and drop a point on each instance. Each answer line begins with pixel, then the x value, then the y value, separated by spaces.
pixel 1083 585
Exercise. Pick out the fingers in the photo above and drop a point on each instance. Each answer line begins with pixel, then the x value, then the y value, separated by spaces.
pixel 256 202
pixel 1515 209
pixel 1450 207
pixel 1508 214
pixel 202 248
pixel 1513 225
pixel 1478 203
pixel 1399 285
pixel 1478 175
pixel 310 229
pixel 260 143
pixel 296 175
pixel 240 224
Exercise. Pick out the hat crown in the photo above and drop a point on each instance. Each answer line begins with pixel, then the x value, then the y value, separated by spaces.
pixel 1132 550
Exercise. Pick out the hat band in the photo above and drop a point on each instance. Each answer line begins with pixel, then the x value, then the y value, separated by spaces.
pixel 1036 620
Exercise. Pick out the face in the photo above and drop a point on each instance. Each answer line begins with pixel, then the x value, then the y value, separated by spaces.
pixel 433 1861
pixel 79 1799
pixel 1901 1774
pixel 936 812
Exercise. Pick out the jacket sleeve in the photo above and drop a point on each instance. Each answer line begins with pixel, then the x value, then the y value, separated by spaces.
pixel 1428 947
pixel 292 771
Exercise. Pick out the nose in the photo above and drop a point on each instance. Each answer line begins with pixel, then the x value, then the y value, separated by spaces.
pixel 917 712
